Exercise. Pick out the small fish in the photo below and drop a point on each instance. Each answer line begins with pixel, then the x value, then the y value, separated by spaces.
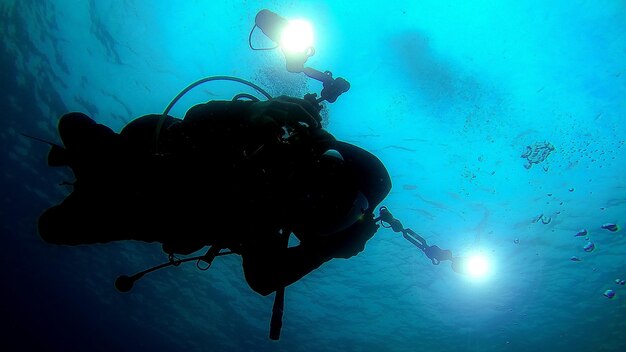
pixel 611 227
pixel 589 247
pixel 516 241
pixel 575 259
pixel 620 282
pixel 581 233
pixel 609 294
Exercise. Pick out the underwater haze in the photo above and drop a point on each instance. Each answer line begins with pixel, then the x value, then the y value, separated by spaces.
pixel 501 123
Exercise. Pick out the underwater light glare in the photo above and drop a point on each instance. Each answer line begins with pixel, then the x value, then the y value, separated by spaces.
pixel 297 37
pixel 477 266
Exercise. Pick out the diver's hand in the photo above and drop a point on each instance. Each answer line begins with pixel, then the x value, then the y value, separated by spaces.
pixel 282 111
pixel 351 241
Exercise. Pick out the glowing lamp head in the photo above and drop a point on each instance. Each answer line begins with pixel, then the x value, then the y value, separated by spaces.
pixel 477 266
pixel 297 37
pixel 293 36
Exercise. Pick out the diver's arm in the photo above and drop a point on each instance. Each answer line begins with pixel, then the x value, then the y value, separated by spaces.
pixel 269 268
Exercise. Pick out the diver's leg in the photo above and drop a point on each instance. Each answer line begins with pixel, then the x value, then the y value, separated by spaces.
pixel 70 223
pixel 115 195
pixel 93 150
pixel 140 135
pixel 78 131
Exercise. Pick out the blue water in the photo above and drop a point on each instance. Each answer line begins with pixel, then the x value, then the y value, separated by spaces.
pixel 447 94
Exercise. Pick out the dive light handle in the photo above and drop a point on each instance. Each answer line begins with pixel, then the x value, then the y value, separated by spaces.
pixel 386 216
pixel 332 87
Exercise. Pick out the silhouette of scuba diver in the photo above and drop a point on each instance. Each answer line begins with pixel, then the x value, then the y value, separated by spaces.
pixel 238 175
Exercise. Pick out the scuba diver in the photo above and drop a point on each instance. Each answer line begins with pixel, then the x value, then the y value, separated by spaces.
pixel 240 175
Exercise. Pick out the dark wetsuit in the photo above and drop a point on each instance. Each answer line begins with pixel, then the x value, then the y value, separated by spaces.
pixel 217 177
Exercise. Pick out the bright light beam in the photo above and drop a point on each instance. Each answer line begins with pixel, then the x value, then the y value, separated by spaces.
pixel 297 37
pixel 477 267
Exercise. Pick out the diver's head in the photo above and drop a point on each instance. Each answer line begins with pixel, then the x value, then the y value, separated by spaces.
pixel 336 190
